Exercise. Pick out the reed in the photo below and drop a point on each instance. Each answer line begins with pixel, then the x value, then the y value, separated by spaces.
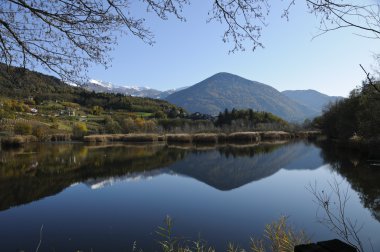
pixel 222 138
pixel 60 137
pixel 205 138
pixel 277 237
pixel 307 134
pixel 147 137
pixel 244 137
pixel 161 138
pixel 179 138
pixel 18 140
pixel 275 135
pixel 95 138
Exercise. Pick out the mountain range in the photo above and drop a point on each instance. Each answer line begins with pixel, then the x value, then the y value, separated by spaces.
pixel 227 91
pixel 311 98
pixel 107 87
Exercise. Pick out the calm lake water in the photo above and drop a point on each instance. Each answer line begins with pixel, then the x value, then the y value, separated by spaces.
pixel 105 198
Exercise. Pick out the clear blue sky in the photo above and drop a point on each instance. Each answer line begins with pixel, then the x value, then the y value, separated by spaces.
pixel 185 53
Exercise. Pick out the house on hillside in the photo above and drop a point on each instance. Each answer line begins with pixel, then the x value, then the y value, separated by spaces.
pixel 68 111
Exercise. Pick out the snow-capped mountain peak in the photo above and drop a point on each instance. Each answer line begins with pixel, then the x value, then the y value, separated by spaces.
pixel 132 90
pixel 101 83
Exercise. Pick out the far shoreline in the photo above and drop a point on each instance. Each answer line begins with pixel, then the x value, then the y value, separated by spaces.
pixel 197 138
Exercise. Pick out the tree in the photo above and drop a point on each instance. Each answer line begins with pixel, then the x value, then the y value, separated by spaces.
pixel 66 36
pixel 79 130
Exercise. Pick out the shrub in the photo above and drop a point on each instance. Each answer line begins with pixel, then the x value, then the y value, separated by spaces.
pixel 40 132
pixel 79 130
pixel 22 128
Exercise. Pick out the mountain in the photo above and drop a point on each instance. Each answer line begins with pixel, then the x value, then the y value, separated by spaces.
pixel 224 90
pixel 107 87
pixel 311 98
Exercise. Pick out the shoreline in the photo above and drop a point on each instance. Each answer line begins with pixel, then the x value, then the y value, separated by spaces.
pixel 187 138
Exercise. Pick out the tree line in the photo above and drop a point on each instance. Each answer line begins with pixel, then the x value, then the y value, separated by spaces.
pixel 357 117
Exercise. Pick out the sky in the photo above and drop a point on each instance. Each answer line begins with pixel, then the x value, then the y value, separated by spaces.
pixel 186 53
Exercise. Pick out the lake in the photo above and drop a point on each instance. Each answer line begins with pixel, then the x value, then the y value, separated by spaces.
pixel 109 197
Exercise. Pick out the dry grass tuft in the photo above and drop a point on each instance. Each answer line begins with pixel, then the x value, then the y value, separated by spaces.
pixel 179 138
pixel 275 135
pixel 222 138
pixel 60 137
pixel 244 137
pixel 205 138
pixel 140 137
pixel 18 140
pixel 279 237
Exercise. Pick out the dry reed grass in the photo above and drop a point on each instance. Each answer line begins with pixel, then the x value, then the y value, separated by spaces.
pixel 222 138
pixel 147 137
pixel 244 137
pixel 180 138
pixel 161 138
pixel 307 134
pixel 205 138
pixel 18 140
pixel 60 137
pixel 275 135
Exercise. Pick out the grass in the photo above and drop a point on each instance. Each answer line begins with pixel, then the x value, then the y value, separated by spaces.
pixel 103 138
pixel 60 137
pixel 308 134
pixel 210 138
pixel 275 135
pixel 277 237
pixel 179 138
pixel 198 138
pixel 222 137
pixel 143 137
pixel 205 138
pixel 143 114
pixel 244 137
pixel 17 140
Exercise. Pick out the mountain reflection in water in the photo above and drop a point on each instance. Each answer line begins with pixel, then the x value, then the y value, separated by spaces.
pixel 40 170
pixel 124 190
pixel 37 171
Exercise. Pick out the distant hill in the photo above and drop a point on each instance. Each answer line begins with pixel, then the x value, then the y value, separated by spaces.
pixel 311 98
pixel 224 90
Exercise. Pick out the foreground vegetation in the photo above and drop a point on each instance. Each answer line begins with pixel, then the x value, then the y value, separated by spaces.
pixel 277 237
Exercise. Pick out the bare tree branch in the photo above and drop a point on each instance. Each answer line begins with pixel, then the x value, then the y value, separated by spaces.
pixel 334 204
pixel 67 36
pixel 370 80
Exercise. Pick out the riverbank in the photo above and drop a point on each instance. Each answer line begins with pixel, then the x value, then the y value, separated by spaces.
pixel 245 137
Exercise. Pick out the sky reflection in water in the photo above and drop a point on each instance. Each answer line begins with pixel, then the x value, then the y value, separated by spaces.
pixel 107 197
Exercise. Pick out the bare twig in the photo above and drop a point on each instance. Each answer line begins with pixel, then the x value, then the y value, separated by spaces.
pixel 39 243
pixel 334 217
pixel 370 80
